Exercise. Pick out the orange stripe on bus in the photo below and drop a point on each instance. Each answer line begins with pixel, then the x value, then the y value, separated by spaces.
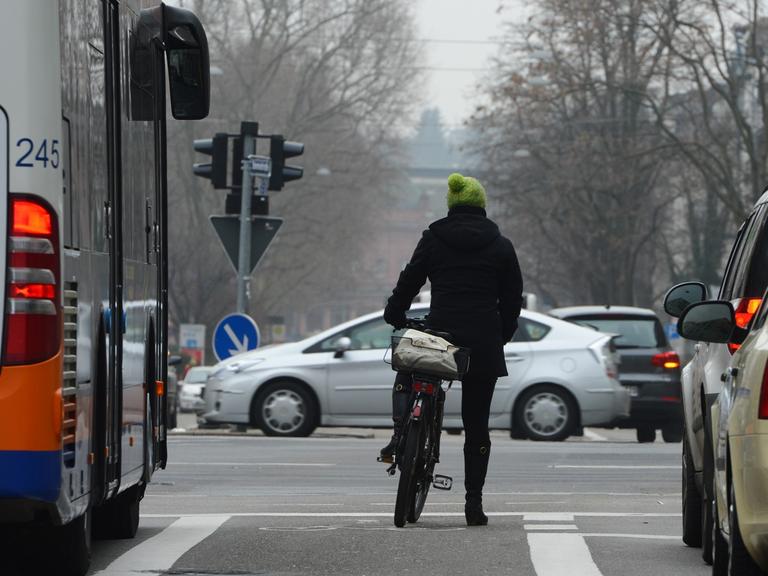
pixel 31 409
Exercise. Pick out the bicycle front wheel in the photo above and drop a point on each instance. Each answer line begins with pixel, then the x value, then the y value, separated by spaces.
pixel 406 487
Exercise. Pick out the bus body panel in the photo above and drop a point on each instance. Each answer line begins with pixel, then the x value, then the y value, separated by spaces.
pixel 30 128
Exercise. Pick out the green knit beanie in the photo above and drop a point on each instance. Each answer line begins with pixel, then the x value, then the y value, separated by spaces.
pixel 465 191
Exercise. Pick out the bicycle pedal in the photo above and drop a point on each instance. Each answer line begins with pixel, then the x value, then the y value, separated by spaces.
pixel 442 482
pixel 392 469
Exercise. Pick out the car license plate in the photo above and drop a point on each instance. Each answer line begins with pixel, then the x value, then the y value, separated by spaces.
pixel 634 391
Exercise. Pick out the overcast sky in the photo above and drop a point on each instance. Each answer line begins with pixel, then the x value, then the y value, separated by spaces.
pixel 459 39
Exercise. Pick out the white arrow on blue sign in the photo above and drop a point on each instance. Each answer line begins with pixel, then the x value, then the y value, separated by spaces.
pixel 234 334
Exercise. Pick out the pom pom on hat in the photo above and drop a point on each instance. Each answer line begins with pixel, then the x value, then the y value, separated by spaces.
pixel 465 191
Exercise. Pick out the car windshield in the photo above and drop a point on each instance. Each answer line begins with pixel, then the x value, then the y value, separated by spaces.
pixel 634 331
pixel 196 376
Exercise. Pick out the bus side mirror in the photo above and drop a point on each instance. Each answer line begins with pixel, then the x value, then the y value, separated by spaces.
pixel 189 74
pixel 683 295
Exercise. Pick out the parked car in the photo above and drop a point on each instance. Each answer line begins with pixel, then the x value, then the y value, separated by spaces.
pixel 740 434
pixel 562 377
pixel 172 391
pixel 744 282
pixel 649 367
pixel 192 388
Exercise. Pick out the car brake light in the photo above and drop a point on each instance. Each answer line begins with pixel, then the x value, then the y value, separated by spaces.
pixel 666 360
pixel 33 310
pixel 744 311
pixel 763 410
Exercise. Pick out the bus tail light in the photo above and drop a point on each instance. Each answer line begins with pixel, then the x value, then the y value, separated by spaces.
pixel 33 309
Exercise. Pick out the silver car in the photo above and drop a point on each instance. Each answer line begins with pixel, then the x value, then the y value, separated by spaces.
pixel 562 377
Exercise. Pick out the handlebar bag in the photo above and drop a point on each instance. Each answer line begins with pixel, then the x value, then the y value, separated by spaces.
pixel 416 351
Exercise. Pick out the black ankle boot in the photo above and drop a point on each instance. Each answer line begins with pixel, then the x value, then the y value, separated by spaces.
pixel 475 469
pixel 388 452
pixel 473 512
pixel 400 395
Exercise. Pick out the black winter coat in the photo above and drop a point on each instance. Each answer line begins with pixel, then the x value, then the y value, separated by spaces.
pixel 477 288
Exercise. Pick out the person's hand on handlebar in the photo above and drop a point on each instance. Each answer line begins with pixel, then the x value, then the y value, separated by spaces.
pixel 398 321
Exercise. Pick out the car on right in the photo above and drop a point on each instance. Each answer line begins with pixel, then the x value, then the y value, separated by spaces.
pixel 649 367
pixel 740 440
pixel 744 282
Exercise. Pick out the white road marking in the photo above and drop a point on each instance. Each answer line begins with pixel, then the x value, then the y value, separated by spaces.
pixel 296 464
pixel 635 536
pixel 594 436
pixel 527 516
pixel 158 554
pixel 572 557
pixel 550 527
pixel 610 467
pixel 548 517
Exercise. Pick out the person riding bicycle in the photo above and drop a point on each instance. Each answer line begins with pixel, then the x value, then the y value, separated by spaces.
pixel 476 296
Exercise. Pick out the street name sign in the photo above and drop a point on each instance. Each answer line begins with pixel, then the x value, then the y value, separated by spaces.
pixel 263 231
pixel 235 334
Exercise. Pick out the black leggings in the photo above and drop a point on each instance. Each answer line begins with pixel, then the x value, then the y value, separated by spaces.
pixel 476 395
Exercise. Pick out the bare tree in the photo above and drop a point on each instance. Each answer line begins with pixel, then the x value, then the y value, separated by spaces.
pixel 334 74
pixel 572 151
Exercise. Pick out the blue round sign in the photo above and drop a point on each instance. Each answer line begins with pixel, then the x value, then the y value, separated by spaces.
pixel 234 334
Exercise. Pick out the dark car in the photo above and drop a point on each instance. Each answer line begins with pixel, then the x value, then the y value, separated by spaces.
pixel 649 367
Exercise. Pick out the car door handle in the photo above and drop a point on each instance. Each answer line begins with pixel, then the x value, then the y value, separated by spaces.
pixel 732 372
pixel 514 358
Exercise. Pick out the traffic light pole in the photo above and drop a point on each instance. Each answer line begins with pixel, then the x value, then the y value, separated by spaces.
pixel 244 256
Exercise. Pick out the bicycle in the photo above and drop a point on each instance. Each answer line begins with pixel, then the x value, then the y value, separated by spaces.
pixel 418 450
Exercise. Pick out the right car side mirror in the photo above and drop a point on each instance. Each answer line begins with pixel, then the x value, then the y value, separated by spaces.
pixel 711 321
pixel 683 295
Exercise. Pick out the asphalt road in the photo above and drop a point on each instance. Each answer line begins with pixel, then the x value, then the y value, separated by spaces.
pixel 603 505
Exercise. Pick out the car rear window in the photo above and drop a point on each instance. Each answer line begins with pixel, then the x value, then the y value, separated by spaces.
pixel 634 331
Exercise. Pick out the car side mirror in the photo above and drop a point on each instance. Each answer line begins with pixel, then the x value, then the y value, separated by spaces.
pixel 711 321
pixel 683 295
pixel 343 344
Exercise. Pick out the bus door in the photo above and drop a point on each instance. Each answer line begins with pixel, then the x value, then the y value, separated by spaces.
pixel 157 239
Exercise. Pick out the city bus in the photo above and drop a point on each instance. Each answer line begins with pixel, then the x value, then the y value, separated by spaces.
pixel 83 260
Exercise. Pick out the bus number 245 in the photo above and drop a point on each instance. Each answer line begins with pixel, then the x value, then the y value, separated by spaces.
pixel 43 154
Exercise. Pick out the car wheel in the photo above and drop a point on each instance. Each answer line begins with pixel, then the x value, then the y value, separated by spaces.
pixel 719 547
pixel 672 433
pixel 740 563
pixel 285 409
pixel 691 500
pixel 646 434
pixel 546 413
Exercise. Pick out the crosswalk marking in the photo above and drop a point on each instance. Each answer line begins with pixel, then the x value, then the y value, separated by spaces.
pixel 158 554
pixel 563 554
pixel 549 527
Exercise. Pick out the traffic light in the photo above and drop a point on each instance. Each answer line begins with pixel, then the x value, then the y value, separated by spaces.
pixel 216 169
pixel 279 150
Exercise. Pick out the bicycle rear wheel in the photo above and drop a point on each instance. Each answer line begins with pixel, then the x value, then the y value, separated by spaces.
pixel 423 476
pixel 406 487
